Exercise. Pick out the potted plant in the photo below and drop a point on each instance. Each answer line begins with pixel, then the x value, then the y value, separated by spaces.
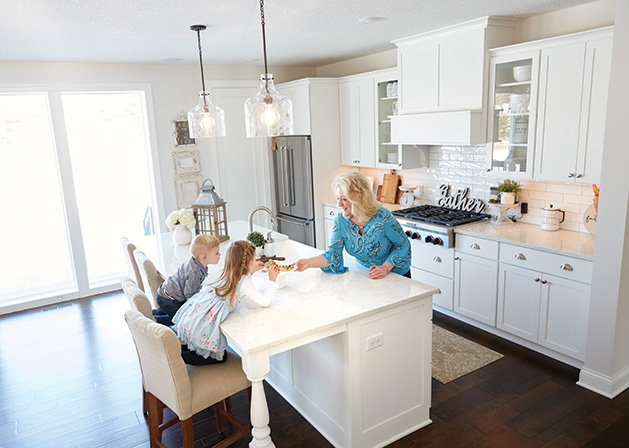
pixel 257 239
pixel 509 189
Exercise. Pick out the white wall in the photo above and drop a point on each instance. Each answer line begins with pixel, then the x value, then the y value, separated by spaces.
pixel 606 367
pixel 174 89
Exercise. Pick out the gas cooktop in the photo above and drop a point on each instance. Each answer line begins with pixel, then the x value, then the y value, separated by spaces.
pixel 442 216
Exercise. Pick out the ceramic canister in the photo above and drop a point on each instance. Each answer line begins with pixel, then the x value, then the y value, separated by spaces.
pixel 552 217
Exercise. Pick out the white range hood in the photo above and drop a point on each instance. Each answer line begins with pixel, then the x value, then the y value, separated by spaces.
pixel 463 128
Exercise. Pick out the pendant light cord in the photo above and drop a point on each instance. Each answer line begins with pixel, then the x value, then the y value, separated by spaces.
pixel 266 69
pixel 201 63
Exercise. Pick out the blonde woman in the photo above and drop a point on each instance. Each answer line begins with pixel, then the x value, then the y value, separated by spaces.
pixel 366 230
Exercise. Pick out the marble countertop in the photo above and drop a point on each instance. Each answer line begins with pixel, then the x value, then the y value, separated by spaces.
pixel 577 244
pixel 312 301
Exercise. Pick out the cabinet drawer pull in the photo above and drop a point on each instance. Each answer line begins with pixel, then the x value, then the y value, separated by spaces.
pixel 537 279
pixel 355 161
pixel 520 256
pixel 437 259
pixel 544 282
pixel 332 213
pixel 566 267
pixel 475 246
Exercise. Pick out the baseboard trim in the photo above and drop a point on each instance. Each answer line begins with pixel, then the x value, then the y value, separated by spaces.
pixel 604 385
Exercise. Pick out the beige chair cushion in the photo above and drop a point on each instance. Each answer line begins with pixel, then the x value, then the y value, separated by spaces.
pixel 132 266
pixel 151 277
pixel 137 299
pixel 186 390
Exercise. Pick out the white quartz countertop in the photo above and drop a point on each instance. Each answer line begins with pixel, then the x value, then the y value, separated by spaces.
pixel 312 301
pixel 578 244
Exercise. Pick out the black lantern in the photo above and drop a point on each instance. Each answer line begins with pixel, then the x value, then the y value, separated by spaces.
pixel 210 214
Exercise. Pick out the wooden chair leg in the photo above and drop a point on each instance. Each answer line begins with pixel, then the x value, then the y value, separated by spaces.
pixel 145 402
pixel 155 435
pixel 187 435
pixel 220 422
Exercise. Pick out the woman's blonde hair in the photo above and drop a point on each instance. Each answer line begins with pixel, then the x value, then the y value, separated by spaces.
pixel 355 187
pixel 237 258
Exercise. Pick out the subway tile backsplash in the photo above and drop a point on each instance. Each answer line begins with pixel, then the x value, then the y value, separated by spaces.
pixel 464 167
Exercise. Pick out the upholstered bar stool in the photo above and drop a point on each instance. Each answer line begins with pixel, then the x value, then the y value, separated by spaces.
pixel 132 266
pixel 186 390
pixel 151 277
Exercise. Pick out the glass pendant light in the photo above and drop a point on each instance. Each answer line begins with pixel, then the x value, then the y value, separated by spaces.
pixel 268 114
pixel 205 120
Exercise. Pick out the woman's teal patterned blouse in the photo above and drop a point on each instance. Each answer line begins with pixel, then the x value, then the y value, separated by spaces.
pixel 382 240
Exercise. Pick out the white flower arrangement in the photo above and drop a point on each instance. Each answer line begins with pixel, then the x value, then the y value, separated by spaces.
pixel 183 217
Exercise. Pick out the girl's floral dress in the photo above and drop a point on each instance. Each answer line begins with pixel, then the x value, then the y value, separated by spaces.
pixel 197 323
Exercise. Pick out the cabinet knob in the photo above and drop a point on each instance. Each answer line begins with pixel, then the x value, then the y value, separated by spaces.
pixel 437 259
pixel 520 256
pixel 579 176
pixel 456 258
pixel 536 279
pixel 566 267
pixel 544 282
pixel 474 246
pixel 571 175
pixel 355 161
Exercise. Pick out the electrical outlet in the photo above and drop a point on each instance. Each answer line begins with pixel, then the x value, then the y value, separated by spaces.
pixel 375 341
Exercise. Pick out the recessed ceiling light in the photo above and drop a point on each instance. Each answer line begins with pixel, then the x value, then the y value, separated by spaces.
pixel 370 19
pixel 172 60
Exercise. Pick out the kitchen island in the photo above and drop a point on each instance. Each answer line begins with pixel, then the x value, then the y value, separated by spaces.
pixel 351 354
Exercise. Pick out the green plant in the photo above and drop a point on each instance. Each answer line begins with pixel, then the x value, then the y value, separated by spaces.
pixel 510 186
pixel 256 238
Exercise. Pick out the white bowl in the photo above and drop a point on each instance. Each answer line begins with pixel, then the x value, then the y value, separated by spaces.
pixel 522 73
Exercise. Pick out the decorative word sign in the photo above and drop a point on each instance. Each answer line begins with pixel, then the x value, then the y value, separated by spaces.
pixel 459 201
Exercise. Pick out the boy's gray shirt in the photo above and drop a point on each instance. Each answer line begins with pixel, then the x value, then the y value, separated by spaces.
pixel 184 283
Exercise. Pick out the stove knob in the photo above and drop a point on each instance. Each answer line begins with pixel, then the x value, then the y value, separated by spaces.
pixel 428 239
pixel 409 233
pixel 437 242
pixel 416 236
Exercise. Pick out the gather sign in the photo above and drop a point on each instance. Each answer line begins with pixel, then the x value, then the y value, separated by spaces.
pixel 459 201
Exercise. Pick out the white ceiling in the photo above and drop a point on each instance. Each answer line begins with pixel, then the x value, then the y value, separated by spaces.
pixel 299 32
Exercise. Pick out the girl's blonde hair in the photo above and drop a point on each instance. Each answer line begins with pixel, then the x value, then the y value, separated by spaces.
pixel 355 187
pixel 237 258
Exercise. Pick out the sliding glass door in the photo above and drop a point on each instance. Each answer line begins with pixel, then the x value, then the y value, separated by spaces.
pixel 75 173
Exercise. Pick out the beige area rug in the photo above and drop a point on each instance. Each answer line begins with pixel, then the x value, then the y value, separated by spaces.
pixel 454 356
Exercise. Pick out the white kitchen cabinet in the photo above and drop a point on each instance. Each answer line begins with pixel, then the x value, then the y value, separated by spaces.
pixel 299 93
pixel 475 278
pixel 358 132
pixel 367 103
pixel 544 298
pixel 512 106
pixel 444 70
pixel 574 80
pixel 329 215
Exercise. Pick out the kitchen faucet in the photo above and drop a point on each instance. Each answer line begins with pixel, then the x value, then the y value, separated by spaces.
pixel 266 209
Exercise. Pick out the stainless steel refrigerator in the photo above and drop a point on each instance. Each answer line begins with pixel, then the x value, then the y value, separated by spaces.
pixel 292 169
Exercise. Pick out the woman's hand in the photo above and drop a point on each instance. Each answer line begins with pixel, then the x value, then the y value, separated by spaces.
pixel 312 262
pixel 274 271
pixel 377 272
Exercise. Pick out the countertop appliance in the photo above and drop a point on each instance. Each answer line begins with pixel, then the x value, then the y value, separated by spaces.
pixel 435 225
pixel 294 196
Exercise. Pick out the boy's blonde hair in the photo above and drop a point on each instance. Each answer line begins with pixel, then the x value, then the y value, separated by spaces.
pixel 203 243
pixel 355 187
pixel 237 258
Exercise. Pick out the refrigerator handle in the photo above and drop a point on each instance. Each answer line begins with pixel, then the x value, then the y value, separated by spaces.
pixel 291 176
pixel 284 175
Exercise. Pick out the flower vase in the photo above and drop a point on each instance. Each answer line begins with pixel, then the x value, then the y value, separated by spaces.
pixel 182 235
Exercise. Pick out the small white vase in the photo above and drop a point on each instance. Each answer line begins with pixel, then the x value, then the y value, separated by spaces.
pixel 507 198
pixel 259 252
pixel 182 235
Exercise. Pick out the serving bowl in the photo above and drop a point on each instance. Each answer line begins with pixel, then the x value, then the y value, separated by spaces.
pixel 522 73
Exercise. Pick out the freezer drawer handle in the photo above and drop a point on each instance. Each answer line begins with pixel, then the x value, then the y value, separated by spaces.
pixel 303 224
pixel 566 267
pixel 520 256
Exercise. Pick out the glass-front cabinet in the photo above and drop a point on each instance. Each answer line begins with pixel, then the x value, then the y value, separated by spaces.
pixel 512 107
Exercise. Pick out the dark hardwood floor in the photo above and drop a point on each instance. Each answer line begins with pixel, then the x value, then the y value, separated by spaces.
pixel 69 377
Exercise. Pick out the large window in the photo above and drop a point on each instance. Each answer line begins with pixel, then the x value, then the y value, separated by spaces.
pixel 74 176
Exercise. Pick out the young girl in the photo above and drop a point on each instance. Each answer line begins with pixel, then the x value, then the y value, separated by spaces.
pixel 197 321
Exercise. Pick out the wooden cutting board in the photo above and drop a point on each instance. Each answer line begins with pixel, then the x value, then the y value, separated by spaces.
pixel 389 191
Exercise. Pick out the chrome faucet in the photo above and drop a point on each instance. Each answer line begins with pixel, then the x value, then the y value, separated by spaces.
pixel 266 209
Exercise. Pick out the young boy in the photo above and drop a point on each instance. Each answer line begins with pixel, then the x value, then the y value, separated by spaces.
pixel 188 279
